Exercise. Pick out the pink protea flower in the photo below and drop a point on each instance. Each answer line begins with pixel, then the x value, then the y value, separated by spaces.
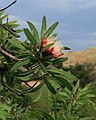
pixel 46 41
pixel 55 49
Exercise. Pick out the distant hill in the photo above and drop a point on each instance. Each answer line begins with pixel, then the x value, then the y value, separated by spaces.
pixel 88 55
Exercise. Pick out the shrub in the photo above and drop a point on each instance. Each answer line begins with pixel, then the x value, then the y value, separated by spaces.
pixel 38 58
pixel 85 72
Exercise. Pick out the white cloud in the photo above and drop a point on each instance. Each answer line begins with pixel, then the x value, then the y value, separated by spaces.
pixel 92 34
pixel 75 44
pixel 22 22
pixel 68 5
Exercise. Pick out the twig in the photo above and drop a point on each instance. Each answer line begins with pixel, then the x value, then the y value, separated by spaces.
pixel 9 5
pixel 9 30
pixel 9 55
pixel 28 90
pixel 15 91
pixel 35 84
pixel 27 84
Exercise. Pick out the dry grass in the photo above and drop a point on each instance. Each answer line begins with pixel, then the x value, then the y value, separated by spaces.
pixel 88 55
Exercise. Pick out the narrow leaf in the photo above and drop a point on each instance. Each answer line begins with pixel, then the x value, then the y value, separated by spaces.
pixel 29 36
pixel 37 87
pixel 54 35
pixel 50 29
pixel 34 31
pixel 20 63
pixel 1 12
pixel 2 115
pixel 44 26
pixel 43 68
pixel 59 60
pixel 26 78
pixel 50 87
pixel 76 86
pixel 39 95
pixel 66 75
pixel 23 73
pixel 17 44
pixel 64 82
pixel 3 17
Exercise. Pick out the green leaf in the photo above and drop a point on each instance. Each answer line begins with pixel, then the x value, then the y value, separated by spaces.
pixel 50 29
pixel 27 46
pixel 87 118
pixel 24 117
pixel 63 82
pixel 19 31
pixel 65 48
pixel 67 75
pixel 1 13
pixel 37 87
pixel 23 73
pixel 29 36
pixel 34 31
pixel 54 35
pixel 76 86
pixel 47 47
pixel 55 70
pixel 17 44
pixel 69 109
pixel 39 95
pixel 2 115
pixel 43 113
pixel 46 115
pixel 12 22
pixel 83 93
pixel 50 87
pixel 14 25
pixel 26 78
pixel 5 107
pixel 59 60
pixel 43 68
pixel 10 30
pixel 43 27
pixel 35 116
pixel 3 17
pixel 59 82
pixel 20 63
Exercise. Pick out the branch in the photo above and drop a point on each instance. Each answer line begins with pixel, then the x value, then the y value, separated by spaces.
pixel 28 90
pixel 15 91
pixel 9 55
pixel 27 84
pixel 9 31
pixel 8 5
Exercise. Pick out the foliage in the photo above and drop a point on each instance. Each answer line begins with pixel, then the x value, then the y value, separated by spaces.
pixel 39 61
pixel 85 72
pixel 74 105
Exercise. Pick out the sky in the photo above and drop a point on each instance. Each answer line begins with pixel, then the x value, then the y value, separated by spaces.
pixel 77 19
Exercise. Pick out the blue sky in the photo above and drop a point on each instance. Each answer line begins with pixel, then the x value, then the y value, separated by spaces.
pixel 77 18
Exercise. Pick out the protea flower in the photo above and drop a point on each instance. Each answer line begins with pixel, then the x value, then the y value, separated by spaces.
pixel 55 49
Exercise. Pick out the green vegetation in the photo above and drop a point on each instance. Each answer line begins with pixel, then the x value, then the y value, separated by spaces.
pixel 58 96
pixel 86 72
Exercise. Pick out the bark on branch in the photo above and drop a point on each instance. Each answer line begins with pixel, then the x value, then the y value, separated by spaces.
pixel 9 55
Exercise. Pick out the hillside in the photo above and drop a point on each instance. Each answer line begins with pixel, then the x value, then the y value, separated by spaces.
pixel 88 55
